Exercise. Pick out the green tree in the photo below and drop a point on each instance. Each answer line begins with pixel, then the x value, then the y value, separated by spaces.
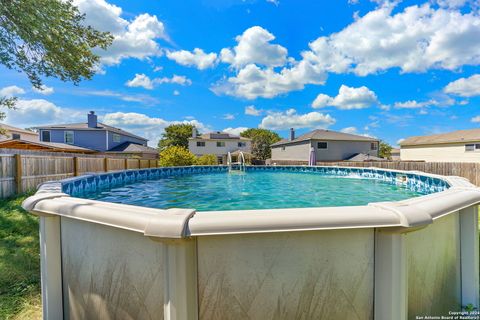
pixel 176 135
pixel 47 38
pixel 176 156
pixel 261 141
pixel 207 160
pixel 385 150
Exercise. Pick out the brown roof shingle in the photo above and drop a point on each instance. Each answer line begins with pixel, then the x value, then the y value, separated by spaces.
pixel 322 134
pixel 468 135
pixel 84 126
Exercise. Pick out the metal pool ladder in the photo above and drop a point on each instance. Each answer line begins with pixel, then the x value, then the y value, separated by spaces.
pixel 239 165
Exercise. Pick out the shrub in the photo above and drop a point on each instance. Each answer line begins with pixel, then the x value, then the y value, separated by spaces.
pixel 176 156
pixel 207 160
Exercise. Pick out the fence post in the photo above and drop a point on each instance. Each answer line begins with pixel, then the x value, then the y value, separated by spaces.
pixel 75 166
pixel 18 173
pixel 139 163
pixel 105 164
pixel 126 163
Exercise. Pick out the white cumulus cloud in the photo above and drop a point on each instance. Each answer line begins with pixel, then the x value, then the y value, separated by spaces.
pixel 142 80
pixel 132 38
pixel 476 119
pixel 291 119
pixel 144 125
pixel 198 58
pixel 235 131
pixel 354 130
pixel 347 98
pixel 34 112
pixel 252 111
pixel 439 101
pixel 415 39
pixel 11 91
pixel 228 116
pixel 464 87
pixel 45 90
pixel 252 81
pixel 253 46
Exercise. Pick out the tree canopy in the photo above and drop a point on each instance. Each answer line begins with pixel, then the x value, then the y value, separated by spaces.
pixel 207 160
pixel 47 38
pixel 176 156
pixel 385 150
pixel 176 135
pixel 261 141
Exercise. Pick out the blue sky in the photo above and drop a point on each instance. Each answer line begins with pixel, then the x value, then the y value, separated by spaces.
pixel 379 68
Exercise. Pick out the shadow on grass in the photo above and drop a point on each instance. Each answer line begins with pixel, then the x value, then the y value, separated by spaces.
pixel 19 259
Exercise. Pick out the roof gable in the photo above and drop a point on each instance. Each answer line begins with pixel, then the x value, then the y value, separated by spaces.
pixel 458 136
pixel 328 135
pixel 84 126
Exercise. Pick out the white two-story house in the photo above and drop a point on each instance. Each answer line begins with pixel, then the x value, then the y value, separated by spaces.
pixel 219 144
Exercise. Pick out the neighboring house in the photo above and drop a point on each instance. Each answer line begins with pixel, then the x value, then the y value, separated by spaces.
pixel 395 154
pixel 17 134
pixel 365 157
pixel 328 145
pixel 219 144
pixel 456 146
pixel 42 146
pixel 134 150
pixel 92 135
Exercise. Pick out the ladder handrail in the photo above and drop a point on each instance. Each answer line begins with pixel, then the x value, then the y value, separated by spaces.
pixel 241 161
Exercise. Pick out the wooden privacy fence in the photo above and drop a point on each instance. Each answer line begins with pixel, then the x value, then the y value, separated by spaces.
pixel 24 172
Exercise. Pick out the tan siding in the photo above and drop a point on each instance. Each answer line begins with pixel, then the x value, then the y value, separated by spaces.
pixel 453 152
pixel 231 145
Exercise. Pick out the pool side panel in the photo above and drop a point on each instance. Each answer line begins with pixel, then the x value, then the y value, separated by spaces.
pixel 109 273
pixel 433 263
pixel 300 275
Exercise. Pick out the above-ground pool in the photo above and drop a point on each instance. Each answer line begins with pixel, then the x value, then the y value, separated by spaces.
pixel 274 242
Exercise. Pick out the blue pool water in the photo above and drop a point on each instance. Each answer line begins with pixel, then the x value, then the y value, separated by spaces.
pixel 253 190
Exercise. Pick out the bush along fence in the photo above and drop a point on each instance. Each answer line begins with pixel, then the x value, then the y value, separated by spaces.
pixel 21 173
pixel 470 171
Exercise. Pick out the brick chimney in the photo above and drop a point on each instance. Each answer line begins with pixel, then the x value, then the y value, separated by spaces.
pixel 194 132
pixel 92 120
pixel 292 134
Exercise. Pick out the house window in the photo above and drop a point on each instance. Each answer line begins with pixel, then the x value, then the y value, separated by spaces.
pixel 220 160
pixel 69 137
pixel 242 144
pixel 200 143
pixel 472 147
pixel 373 146
pixel 46 136
pixel 116 137
pixel 15 136
pixel 220 144
pixel 322 145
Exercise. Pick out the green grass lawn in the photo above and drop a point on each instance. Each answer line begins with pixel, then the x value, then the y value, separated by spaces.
pixel 19 262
